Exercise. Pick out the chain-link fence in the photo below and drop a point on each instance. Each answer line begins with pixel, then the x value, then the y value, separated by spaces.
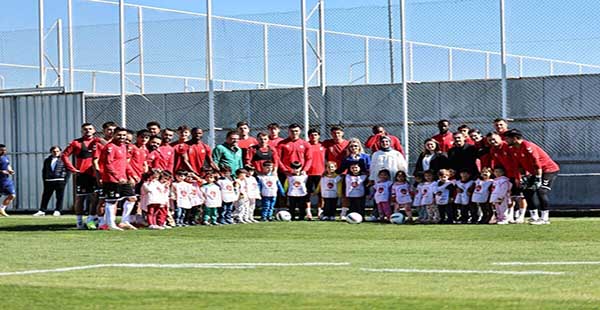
pixel 452 58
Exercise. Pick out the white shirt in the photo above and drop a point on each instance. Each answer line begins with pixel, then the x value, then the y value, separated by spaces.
pixel 501 190
pixel 251 187
pixel 182 192
pixel 427 161
pixel 355 185
pixel 212 195
pixel 427 194
pixel 53 163
pixel 402 192
pixel 481 194
pixel 297 185
pixel 329 186
pixel 419 195
pixel 196 197
pixel 463 198
pixel 442 193
pixel 269 185
pixel 382 191
pixel 391 160
pixel 156 193
pixel 228 192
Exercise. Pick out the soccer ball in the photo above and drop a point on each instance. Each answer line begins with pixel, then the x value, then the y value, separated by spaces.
pixel 283 216
pixel 397 218
pixel 354 218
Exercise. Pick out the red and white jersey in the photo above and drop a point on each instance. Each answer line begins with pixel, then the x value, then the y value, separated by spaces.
pixel 180 149
pixel 197 155
pixel 247 143
pixel 83 150
pixel 162 158
pixel 155 192
pixel 481 194
pixel 442 192
pixel 427 193
pixel 297 185
pixel 228 191
pixel 273 142
pixel 114 159
pixel 402 192
pixel 373 143
pixel 355 186
pixel 335 151
pixel 446 141
pixel 251 187
pixel 317 166
pixel 464 198
pixel 532 157
pixel 329 186
pixel 503 155
pixel 382 191
pixel 196 197
pixel 294 150
pixel 212 195
pixel 181 193
pixel 269 185
pixel 137 160
pixel 500 190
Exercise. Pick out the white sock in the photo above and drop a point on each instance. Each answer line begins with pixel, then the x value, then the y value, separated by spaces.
pixel 109 218
pixel 308 212
pixel 344 211
pixel 517 213
pixel 534 215
pixel 510 214
pixel 522 213
pixel 79 220
pixel 127 207
pixel 545 215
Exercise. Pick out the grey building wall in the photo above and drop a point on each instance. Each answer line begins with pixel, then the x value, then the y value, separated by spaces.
pixel 558 113
pixel 31 124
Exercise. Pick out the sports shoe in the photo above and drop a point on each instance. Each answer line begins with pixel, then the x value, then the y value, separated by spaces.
pixel 519 221
pixel 81 226
pixel 103 227
pixel 538 222
pixel 343 217
pixel 505 222
pixel 166 227
pixel 127 226
pixel 370 219
pixel 91 225
pixel 3 213
pixel 56 213
pixel 40 213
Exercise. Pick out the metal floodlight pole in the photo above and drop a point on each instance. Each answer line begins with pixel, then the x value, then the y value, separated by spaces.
pixel 141 49
pixel 391 37
pixel 59 47
pixel 209 74
pixel 404 79
pixel 70 42
pixel 42 49
pixel 265 56
pixel 304 68
pixel 322 54
pixel 503 60
pixel 122 61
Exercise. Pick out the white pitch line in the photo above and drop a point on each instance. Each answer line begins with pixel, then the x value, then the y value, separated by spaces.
pixel 544 263
pixel 527 272
pixel 172 266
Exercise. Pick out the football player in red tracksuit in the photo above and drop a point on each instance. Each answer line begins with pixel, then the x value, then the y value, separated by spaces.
pixel 162 156
pixel 246 141
pixel 138 162
pixel 274 137
pixel 260 153
pixel 539 172
pixel 116 185
pixel 199 154
pixel 316 169
pixel 335 148
pixel 500 154
pixel 181 148
pixel 293 149
pixel 85 177
pixel 445 138
pixel 108 129
pixel 373 140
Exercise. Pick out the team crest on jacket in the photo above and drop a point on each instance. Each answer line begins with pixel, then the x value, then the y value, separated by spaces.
pixel 478 188
pixel 330 185
pixel 301 146
pixel 269 183
pixel 297 184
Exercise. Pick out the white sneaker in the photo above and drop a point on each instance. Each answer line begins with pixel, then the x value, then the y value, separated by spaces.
pixel 505 222
pixel 3 213
pixel 40 213
pixel 343 217
pixel 520 221
pixel 56 213
pixel 538 222
pixel 166 227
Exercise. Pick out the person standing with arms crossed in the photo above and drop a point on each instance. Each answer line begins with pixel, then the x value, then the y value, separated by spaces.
pixel 54 173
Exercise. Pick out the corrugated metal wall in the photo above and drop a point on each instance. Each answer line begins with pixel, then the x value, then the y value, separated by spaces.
pixel 30 125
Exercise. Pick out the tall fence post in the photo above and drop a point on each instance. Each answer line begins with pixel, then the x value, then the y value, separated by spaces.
pixel 141 49
pixel 304 69
pixel 367 65
pixel 209 75
pixel 404 80
pixel 122 61
pixel 59 47
pixel 265 56
pixel 41 47
pixel 503 61
pixel 322 54
pixel 450 64
pixel 390 40
pixel 70 42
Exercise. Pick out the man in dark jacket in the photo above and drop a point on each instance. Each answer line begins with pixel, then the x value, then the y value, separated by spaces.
pixel 463 156
pixel 55 175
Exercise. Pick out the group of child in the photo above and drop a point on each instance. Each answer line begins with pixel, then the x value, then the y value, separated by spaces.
pixel 223 198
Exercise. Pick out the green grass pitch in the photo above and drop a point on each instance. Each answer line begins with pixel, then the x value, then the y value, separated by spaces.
pixel 28 243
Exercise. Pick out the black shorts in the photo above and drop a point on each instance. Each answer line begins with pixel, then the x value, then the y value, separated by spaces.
pixel 85 184
pixel 312 182
pixel 515 191
pixel 138 188
pixel 115 191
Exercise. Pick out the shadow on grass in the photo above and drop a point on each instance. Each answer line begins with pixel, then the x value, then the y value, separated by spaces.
pixel 41 227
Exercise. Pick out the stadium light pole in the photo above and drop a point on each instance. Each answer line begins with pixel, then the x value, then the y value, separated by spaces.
pixel 122 60
pixel 209 75
pixel 41 43
pixel 404 79
pixel 391 37
pixel 70 42
pixel 503 60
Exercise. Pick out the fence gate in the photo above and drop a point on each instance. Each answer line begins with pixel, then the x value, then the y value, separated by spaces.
pixel 30 125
